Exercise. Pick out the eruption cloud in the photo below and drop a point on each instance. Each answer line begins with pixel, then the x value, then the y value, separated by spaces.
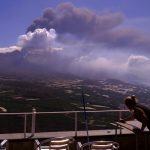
pixel 85 25
pixel 78 41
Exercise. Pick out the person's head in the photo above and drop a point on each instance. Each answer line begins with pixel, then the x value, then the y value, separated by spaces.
pixel 130 102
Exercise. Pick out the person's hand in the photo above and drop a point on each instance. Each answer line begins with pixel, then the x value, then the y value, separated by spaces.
pixel 2 109
pixel 137 130
pixel 122 120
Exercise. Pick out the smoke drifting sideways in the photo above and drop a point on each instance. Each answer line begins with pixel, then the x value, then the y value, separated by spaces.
pixel 80 42
pixel 84 24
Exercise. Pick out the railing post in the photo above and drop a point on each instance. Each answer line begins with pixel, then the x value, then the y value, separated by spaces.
pixel 120 117
pixel 25 125
pixel 76 123
pixel 33 121
pixel 120 114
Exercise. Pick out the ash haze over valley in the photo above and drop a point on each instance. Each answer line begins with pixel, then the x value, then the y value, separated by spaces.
pixel 81 41
pixel 54 52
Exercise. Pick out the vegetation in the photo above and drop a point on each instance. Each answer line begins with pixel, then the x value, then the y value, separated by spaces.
pixel 20 95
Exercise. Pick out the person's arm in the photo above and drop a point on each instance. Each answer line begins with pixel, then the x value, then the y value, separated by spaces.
pixel 129 118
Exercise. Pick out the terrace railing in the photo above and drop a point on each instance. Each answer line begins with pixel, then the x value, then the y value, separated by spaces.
pixel 33 122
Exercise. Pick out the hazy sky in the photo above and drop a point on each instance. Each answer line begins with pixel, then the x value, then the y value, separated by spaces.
pixel 90 37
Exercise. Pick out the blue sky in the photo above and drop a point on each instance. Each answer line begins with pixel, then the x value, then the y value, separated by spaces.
pixel 91 38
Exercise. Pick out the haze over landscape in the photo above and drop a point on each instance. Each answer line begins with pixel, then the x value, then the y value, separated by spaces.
pixel 92 39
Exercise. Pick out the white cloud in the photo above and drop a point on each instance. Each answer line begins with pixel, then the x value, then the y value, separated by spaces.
pixel 139 66
pixel 40 39
pixel 10 49
pixel 137 61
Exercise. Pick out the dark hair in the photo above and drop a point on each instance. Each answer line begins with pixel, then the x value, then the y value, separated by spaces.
pixel 130 101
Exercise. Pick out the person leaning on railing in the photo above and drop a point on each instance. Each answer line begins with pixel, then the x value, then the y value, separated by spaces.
pixel 139 112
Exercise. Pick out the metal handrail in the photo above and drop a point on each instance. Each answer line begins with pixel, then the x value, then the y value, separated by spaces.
pixel 63 112
pixel 34 115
